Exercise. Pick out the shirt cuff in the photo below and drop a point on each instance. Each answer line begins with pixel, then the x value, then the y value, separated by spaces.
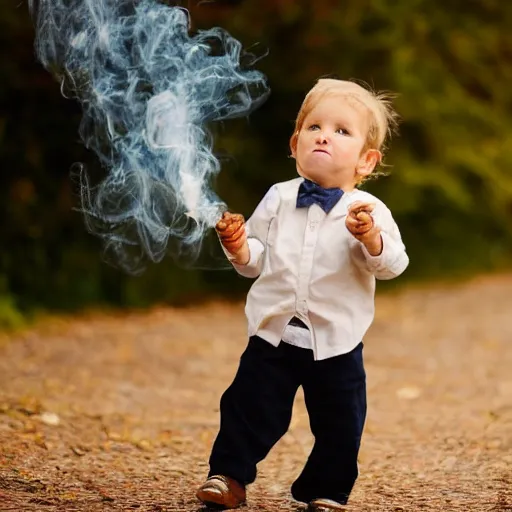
pixel 386 259
pixel 252 267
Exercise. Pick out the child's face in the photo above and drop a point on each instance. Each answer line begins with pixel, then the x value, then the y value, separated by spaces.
pixel 330 144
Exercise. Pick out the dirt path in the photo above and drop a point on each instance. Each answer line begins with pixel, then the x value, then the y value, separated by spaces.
pixel 136 402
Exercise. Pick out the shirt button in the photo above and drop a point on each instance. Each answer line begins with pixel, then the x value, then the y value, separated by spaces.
pixel 302 306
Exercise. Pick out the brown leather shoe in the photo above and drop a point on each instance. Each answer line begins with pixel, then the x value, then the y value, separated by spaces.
pixel 325 505
pixel 221 491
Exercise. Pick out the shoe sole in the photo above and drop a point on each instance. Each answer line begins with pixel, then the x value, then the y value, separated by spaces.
pixel 213 497
pixel 325 508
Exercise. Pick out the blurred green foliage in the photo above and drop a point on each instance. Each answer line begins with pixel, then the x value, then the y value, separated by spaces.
pixel 450 188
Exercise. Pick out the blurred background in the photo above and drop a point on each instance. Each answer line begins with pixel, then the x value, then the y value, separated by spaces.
pixel 450 185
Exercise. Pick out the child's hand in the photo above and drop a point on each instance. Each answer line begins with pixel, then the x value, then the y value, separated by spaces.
pixel 231 230
pixel 360 223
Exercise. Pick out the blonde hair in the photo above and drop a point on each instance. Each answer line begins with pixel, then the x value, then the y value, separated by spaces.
pixel 383 118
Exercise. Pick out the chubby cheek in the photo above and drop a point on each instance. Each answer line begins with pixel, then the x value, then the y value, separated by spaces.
pixel 348 153
pixel 305 159
pixel 300 152
pixel 301 142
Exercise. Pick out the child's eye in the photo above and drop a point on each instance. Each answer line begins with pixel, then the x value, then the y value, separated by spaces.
pixel 314 127
pixel 342 131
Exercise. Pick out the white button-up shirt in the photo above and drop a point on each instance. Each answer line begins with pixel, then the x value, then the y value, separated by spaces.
pixel 308 265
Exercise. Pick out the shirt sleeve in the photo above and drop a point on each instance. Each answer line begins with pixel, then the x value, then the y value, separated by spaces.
pixel 257 230
pixel 393 259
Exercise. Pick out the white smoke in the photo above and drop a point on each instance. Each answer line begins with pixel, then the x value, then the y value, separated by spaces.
pixel 148 89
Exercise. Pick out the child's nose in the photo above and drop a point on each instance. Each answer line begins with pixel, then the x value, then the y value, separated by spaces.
pixel 321 138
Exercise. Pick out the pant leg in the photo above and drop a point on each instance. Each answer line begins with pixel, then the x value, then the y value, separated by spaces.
pixel 255 410
pixel 335 396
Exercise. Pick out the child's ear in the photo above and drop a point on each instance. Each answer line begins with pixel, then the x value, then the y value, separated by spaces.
pixel 368 161
pixel 293 144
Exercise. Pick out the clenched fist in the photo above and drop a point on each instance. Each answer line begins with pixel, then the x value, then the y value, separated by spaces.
pixel 231 231
pixel 360 223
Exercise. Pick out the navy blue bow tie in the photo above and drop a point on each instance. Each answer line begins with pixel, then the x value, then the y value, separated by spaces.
pixel 310 192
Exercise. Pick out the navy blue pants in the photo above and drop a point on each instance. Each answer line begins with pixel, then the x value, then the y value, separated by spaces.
pixel 256 411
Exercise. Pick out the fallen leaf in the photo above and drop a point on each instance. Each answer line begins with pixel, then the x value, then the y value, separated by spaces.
pixel 78 451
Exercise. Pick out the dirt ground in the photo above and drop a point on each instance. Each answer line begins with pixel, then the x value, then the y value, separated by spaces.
pixel 107 413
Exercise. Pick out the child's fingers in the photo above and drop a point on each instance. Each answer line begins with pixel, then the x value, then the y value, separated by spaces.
pixel 229 217
pixel 352 222
pixel 234 236
pixel 237 217
pixel 234 245
pixel 364 217
pixel 361 230
pixel 229 223
pixel 357 227
pixel 231 229
pixel 359 221
pixel 360 206
pixel 223 221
